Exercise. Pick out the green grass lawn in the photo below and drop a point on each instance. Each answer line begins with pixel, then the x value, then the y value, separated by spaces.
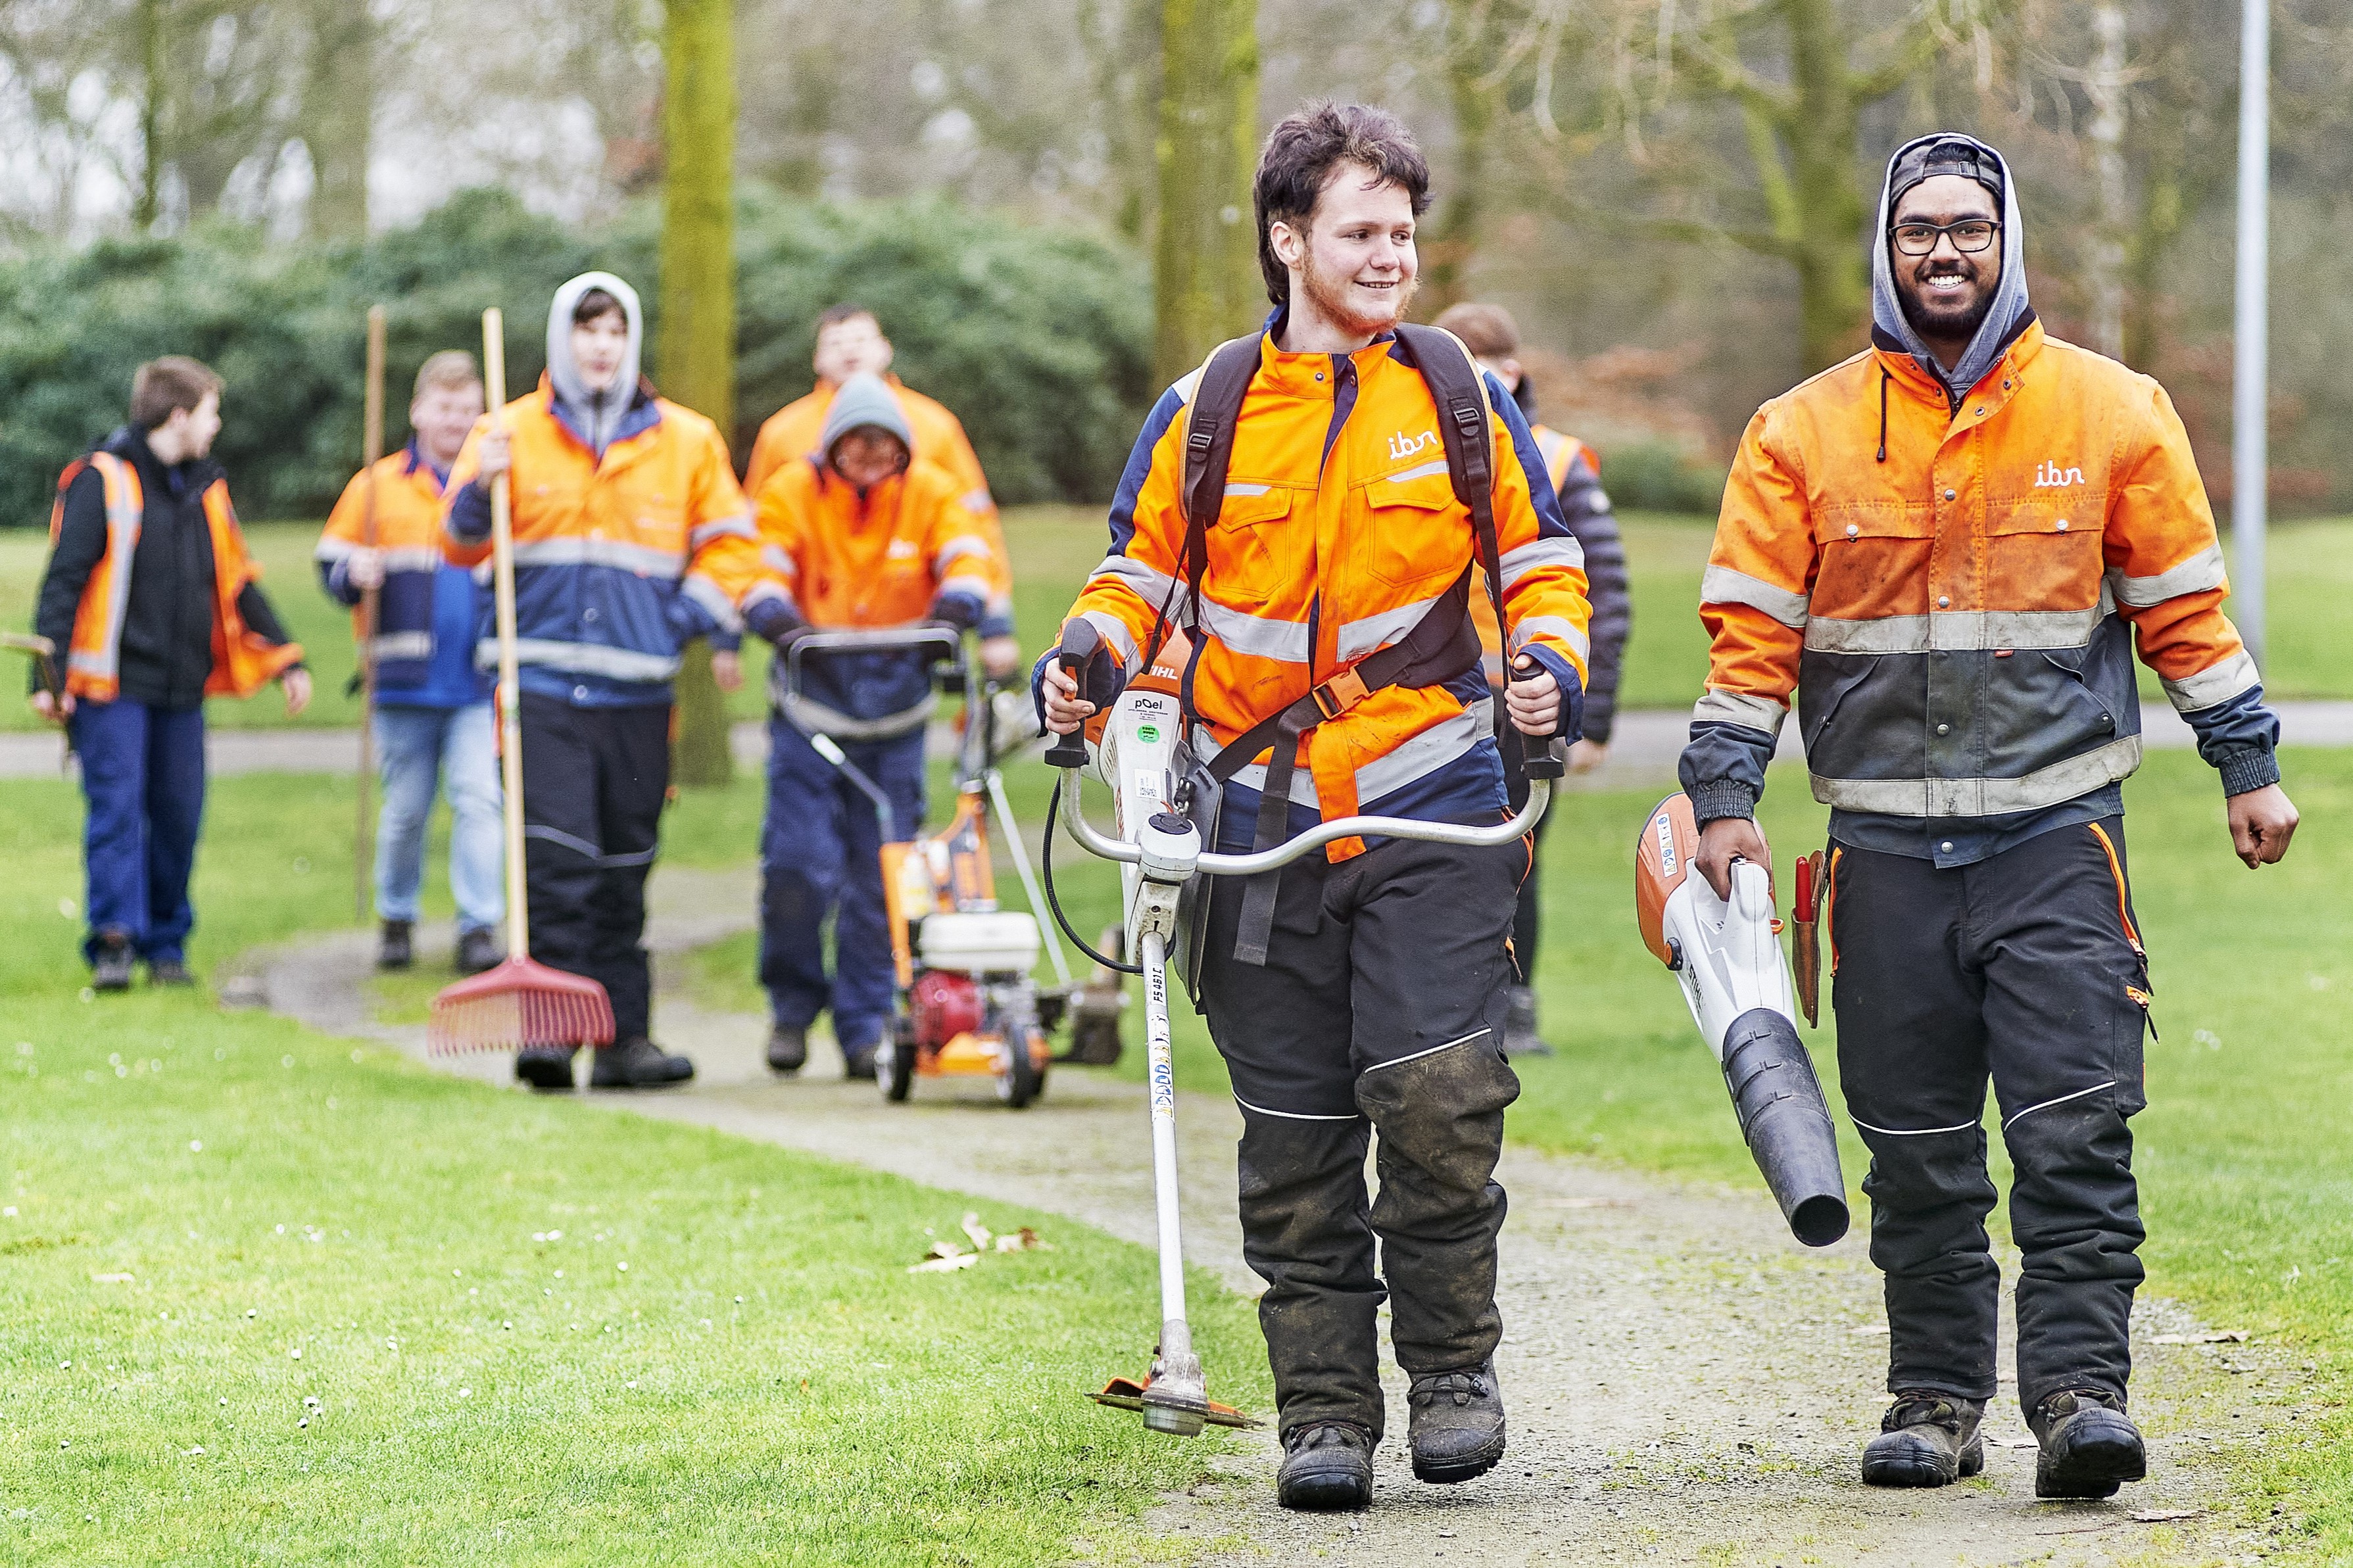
pixel 267 1295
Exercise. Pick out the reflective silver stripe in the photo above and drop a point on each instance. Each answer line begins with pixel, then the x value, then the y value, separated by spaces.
pixel 1423 753
pixel 408 558
pixel 978 587
pixel 1294 1115
pixel 1422 472
pixel 1416 1056
pixel 1150 586
pixel 1910 1131
pixel 2220 684
pixel 99 661
pixel 1959 630
pixel 600 553
pixel 583 659
pixel 1245 489
pixel 1360 637
pixel 332 549
pixel 963 545
pixel 762 592
pixel 2062 1099
pixel 2062 781
pixel 1723 585
pixel 1517 564
pixel 1552 627
pixel 773 558
pixel 403 645
pixel 714 599
pixel 738 526
pixel 1716 707
pixel 978 500
pixel 2201 573
pixel 1114 632
pixel 1257 635
pixel 125 509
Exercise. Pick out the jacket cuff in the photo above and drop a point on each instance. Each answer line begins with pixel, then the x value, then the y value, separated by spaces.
pixel 2254 769
pixel 1571 724
pixel 1722 797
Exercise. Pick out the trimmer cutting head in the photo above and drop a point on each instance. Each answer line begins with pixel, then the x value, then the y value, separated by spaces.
pixel 1180 1420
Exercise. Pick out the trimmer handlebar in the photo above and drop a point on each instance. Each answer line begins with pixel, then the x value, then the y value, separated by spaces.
pixel 1080 641
pixel 946 638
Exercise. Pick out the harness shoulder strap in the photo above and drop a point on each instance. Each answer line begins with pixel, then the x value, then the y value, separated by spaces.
pixel 1209 420
pixel 1458 388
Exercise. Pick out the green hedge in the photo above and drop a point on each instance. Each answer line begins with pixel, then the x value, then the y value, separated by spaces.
pixel 1039 341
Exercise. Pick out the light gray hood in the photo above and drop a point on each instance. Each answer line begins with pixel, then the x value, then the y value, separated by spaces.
pixel 598 413
pixel 2010 312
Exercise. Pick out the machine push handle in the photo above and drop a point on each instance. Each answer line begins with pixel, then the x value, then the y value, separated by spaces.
pixel 1080 642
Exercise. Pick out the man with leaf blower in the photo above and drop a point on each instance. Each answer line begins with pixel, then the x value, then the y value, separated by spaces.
pixel 1947 548
pixel 630 540
pixel 1307 508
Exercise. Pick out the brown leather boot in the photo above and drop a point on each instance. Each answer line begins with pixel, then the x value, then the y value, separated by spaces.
pixel 1926 1439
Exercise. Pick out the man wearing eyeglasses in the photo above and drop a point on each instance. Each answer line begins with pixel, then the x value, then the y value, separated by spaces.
pixel 1947 548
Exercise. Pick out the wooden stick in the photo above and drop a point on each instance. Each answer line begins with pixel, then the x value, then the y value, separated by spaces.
pixel 371 451
pixel 494 380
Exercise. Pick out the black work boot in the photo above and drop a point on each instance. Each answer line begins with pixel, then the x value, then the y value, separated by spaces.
pixel 2090 1446
pixel 1457 1423
pixel 1326 1466
pixel 169 972
pixel 109 963
pixel 477 949
pixel 1926 1439
pixel 397 946
pixel 1519 1036
pixel 858 1064
pixel 545 1066
pixel 787 1048
pixel 638 1064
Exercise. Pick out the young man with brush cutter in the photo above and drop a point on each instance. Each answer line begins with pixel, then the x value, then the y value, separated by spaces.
pixel 149 590
pixel 1308 508
pixel 630 540
pixel 1947 548
pixel 432 699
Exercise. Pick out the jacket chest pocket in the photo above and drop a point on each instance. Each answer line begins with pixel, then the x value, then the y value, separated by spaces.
pixel 2044 555
pixel 1253 546
pixel 1411 529
pixel 1873 561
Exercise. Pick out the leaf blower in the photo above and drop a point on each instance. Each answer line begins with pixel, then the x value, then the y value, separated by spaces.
pixel 1737 986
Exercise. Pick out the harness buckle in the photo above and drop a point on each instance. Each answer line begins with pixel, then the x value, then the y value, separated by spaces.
pixel 1340 693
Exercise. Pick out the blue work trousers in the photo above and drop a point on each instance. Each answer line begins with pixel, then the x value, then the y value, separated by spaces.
pixel 821 854
pixel 418 748
pixel 143 772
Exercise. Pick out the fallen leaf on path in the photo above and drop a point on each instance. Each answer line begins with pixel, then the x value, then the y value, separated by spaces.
pixel 2210 1336
pixel 1868 1329
pixel 1023 1240
pixel 944 1262
pixel 977 1233
pixel 2011 1442
pixel 2165 1515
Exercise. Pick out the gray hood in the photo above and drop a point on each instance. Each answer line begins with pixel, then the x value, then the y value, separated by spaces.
pixel 864 400
pixel 2010 312
pixel 598 412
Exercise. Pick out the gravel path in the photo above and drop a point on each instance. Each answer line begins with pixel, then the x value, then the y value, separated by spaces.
pixel 1686 1383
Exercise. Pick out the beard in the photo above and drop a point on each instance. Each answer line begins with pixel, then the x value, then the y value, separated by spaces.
pixel 1926 318
pixel 1333 300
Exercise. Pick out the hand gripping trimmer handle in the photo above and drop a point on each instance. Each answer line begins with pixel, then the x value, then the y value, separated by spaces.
pixel 1080 641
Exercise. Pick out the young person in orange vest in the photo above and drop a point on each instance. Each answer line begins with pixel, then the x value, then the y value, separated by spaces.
pixel 1574 471
pixel 1366 987
pixel 631 539
pixel 432 699
pixel 849 341
pixel 1947 550
pixel 149 590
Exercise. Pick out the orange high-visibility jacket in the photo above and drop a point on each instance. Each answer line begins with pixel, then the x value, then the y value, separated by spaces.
pixel 1559 450
pixel 404 495
pixel 243 660
pixel 1339 532
pixel 883 559
pixel 619 563
pixel 1956 618
pixel 793 431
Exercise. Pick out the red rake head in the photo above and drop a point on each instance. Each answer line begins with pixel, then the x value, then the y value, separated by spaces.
pixel 519 1004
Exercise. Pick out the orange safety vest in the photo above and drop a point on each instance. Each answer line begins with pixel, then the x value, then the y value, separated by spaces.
pixel 243 660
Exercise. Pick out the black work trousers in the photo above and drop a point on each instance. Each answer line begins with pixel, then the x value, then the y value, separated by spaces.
pixel 2025 968
pixel 1380 1006
pixel 593 781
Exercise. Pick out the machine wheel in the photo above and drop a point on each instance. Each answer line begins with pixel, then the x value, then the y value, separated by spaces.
pixel 894 1067
pixel 1020 1082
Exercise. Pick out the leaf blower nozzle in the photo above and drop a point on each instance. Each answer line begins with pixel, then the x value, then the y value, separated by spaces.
pixel 1733 978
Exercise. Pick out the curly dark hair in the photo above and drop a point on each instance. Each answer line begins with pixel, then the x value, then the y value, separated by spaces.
pixel 1300 155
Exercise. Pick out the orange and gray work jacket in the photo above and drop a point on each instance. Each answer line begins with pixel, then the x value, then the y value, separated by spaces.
pixel 395 508
pixel 163 609
pixel 796 429
pixel 1574 471
pixel 1957 617
pixel 899 553
pixel 621 558
pixel 1340 530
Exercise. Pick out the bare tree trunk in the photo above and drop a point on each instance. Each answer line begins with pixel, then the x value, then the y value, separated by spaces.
pixel 697 350
pixel 1205 260
pixel 1820 132
pixel 2103 83
pixel 1452 242
pixel 149 205
pixel 339 114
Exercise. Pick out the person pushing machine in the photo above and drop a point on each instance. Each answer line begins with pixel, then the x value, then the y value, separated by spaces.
pixel 1947 547
pixel 1318 551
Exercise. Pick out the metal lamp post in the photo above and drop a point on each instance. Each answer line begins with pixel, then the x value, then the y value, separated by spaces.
pixel 2249 460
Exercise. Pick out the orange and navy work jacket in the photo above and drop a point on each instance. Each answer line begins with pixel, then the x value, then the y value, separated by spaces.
pixel 243 659
pixel 795 430
pixel 1559 453
pixel 621 559
pixel 1956 618
pixel 906 551
pixel 1340 529
pixel 394 507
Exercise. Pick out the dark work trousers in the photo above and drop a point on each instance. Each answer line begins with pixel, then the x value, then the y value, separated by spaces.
pixel 2026 968
pixel 1381 1006
pixel 1527 919
pixel 593 781
pixel 142 773
pixel 820 853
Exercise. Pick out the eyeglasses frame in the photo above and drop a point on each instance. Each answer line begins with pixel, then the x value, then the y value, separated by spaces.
pixel 1945 231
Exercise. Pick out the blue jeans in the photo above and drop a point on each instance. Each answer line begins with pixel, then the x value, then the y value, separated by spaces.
pixel 415 747
pixel 143 772
pixel 821 852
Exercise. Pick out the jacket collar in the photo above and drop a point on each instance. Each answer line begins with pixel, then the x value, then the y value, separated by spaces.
pixel 189 478
pixel 1312 375
pixel 1897 361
